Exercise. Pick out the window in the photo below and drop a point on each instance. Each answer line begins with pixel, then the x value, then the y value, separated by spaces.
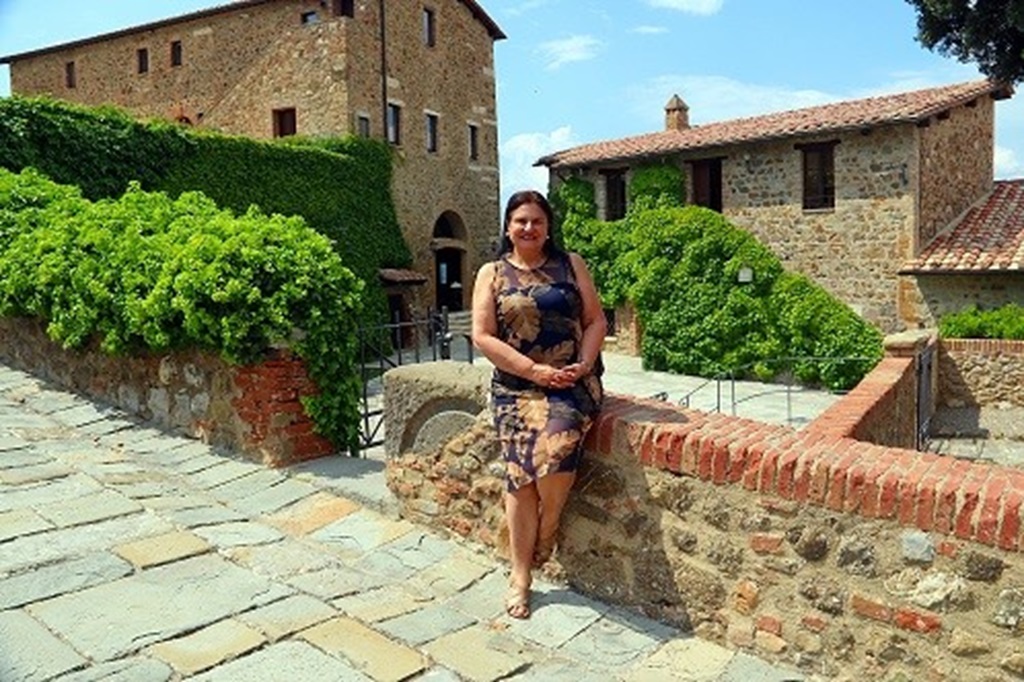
pixel 474 142
pixel 394 124
pixel 432 123
pixel 363 125
pixel 707 184
pixel 142 57
pixel 310 17
pixel 344 8
pixel 429 28
pixel 614 194
pixel 69 75
pixel 284 122
pixel 176 53
pixel 819 175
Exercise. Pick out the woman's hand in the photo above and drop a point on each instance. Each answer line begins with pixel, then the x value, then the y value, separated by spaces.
pixel 551 377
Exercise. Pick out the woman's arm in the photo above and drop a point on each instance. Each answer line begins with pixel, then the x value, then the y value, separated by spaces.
pixel 502 355
pixel 595 327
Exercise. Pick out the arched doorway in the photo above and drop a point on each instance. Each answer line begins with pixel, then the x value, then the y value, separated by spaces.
pixel 449 246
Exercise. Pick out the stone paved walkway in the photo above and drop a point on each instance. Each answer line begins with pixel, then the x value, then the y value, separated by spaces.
pixel 129 554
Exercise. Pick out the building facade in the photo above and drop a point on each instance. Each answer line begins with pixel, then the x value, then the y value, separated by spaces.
pixel 845 193
pixel 419 74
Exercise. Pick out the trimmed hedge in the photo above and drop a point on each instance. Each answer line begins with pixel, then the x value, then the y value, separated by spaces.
pixel 341 187
pixel 1006 322
pixel 146 271
pixel 680 265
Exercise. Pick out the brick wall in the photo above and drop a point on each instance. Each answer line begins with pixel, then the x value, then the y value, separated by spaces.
pixel 254 409
pixel 845 558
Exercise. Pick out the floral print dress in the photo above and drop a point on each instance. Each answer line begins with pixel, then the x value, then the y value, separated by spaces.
pixel 539 313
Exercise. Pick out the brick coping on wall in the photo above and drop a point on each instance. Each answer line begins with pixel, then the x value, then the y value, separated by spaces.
pixel 984 346
pixel 974 501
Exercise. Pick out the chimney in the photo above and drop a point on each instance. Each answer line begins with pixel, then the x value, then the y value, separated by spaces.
pixel 677 114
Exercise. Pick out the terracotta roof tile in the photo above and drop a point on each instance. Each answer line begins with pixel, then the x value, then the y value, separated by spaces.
pixel 907 107
pixel 989 238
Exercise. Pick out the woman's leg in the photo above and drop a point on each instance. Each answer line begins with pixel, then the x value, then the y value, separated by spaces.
pixel 521 515
pixel 553 491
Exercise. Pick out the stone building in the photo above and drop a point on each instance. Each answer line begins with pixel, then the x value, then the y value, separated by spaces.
pixel 418 73
pixel 875 199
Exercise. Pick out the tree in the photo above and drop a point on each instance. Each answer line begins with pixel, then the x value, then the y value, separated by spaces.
pixel 987 32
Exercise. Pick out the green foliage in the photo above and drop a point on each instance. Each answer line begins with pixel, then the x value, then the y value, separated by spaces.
pixel 145 271
pixel 1006 322
pixel 680 268
pixel 987 32
pixel 341 187
pixel 654 185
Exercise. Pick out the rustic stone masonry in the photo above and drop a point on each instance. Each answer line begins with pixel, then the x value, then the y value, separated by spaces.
pixel 844 557
pixel 253 409
pixel 981 372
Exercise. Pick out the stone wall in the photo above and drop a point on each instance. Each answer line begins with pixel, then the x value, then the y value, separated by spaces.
pixel 929 297
pixel 254 409
pixel 848 559
pixel 241 64
pixel 981 372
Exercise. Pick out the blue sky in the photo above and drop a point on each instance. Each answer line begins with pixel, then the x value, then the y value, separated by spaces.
pixel 574 71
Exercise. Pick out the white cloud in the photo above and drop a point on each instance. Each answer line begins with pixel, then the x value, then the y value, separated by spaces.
pixel 649 30
pixel 1007 163
pixel 572 49
pixel 520 152
pixel 703 7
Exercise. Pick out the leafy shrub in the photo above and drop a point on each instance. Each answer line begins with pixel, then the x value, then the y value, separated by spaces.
pixel 656 184
pixel 149 272
pixel 680 267
pixel 1006 322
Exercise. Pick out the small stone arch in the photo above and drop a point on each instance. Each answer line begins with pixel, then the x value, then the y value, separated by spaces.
pixel 449 238
pixel 436 422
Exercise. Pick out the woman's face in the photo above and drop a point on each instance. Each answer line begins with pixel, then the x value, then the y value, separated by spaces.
pixel 528 228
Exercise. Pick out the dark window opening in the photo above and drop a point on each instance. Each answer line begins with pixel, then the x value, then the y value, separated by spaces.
pixel 707 184
pixel 614 194
pixel 394 124
pixel 310 18
pixel 432 125
pixel 284 122
pixel 819 175
pixel 474 143
pixel 429 28
pixel 69 75
pixel 609 317
pixel 363 126
pixel 142 57
pixel 344 8
pixel 176 53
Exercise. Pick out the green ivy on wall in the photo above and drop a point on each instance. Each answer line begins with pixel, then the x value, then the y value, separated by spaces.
pixel 680 267
pixel 148 272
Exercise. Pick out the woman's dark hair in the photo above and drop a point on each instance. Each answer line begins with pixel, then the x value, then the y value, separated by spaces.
pixel 529 196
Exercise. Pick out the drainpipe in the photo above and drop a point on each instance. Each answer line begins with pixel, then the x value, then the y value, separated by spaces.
pixel 384 68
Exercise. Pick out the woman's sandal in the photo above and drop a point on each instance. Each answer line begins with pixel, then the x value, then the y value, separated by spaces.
pixel 543 551
pixel 517 602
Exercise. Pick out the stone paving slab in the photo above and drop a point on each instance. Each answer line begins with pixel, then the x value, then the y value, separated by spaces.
pixel 244 487
pixel 284 559
pixel 487 663
pixel 133 669
pixel 66 488
pixel 302 661
pixel 238 533
pixel 56 545
pixel 373 606
pixel 685 659
pixel 745 668
pixel 208 647
pixel 312 513
pixel 103 505
pixel 273 498
pixel 45 656
pixel 288 616
pixel 85 413
pixel 18 522
pixel 153 606
pixel 10 443
pixel 333 583
pixel 196 511
pixel 557 615
pixel 425 625
pixel 56 579
pixel 162 549
pixel 617 640
pixel 218 474
pixel 370 652
pixel 35 473
pixel 360 532
pixel 362 480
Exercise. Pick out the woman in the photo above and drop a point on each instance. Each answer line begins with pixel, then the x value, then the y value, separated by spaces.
pixel 538 319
